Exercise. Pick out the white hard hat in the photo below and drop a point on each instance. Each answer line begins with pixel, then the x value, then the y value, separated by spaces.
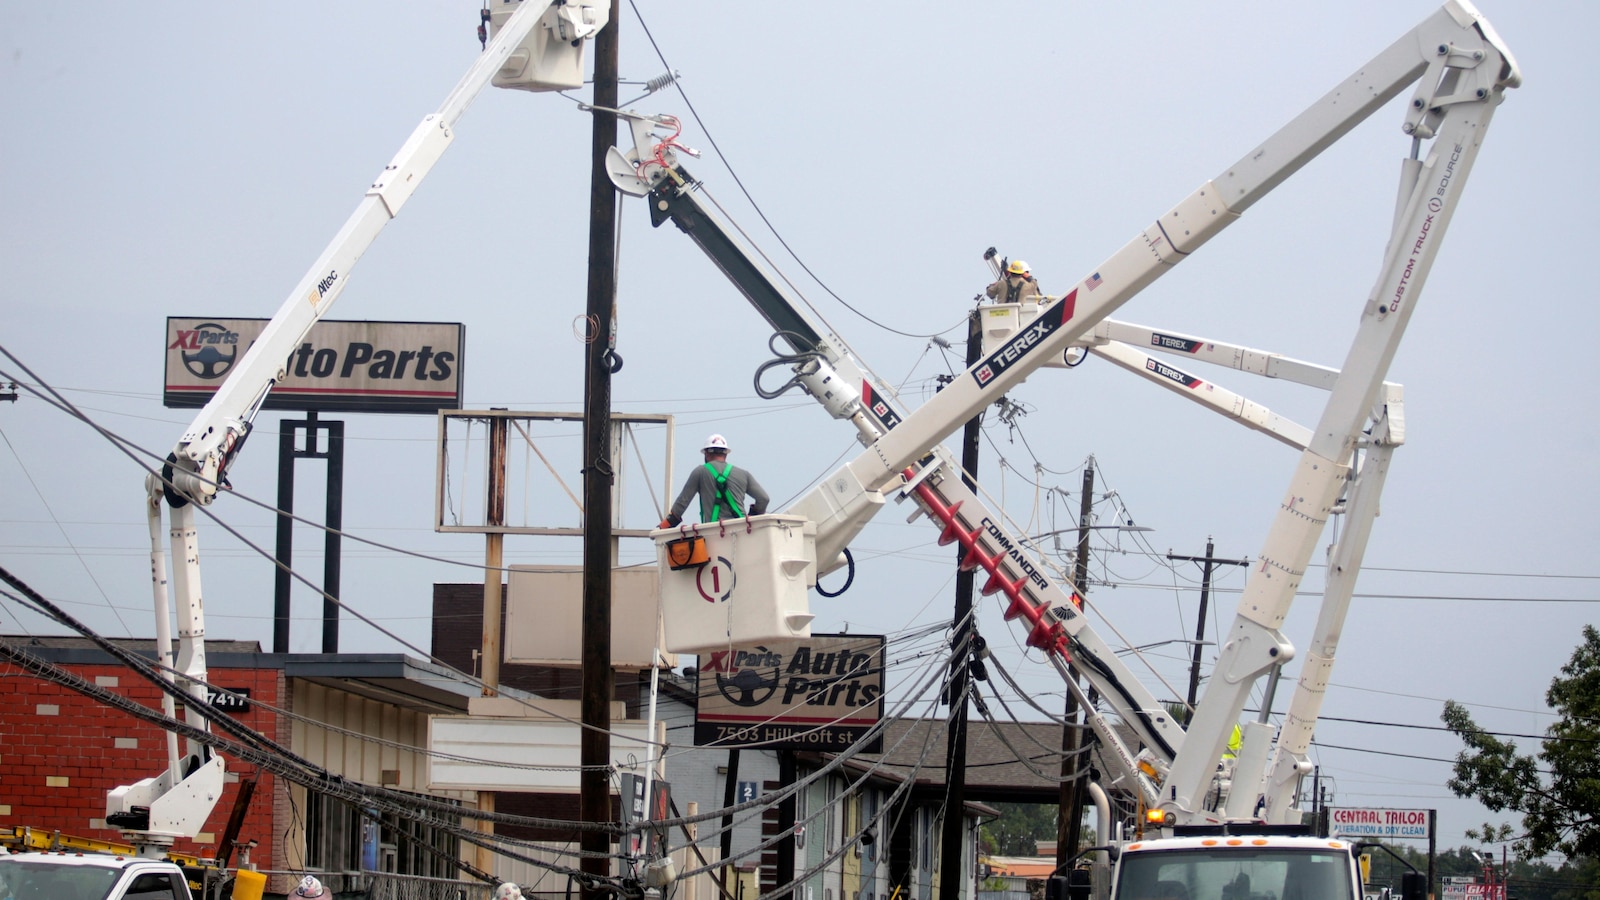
pixel 310 887
pixel 716 442
pixel 508 891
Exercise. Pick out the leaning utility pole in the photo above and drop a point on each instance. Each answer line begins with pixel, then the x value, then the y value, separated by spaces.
pixel 594 748
pixel 955 758
pixel 1069 823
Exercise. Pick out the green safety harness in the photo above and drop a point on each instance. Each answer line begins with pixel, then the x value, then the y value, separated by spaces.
pixel 722 495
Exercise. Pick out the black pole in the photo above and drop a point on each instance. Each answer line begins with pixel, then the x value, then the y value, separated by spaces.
pixel 729 797
pixel 1199 630
pixel 1069 823
pixel 282 583
pixel 1208 564
pixel 955 760
pixel 594 798
pixel 786 810
pixel 1433 848
pixel 331 538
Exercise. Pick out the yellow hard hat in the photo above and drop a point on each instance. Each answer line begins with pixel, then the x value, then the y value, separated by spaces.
pixel 1018 267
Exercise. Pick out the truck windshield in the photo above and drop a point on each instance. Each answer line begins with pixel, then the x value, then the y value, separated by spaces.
pixel 24 880
pixel 1236 873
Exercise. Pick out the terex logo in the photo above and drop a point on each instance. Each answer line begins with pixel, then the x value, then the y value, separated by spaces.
pixel 199 349
pixel 884 412
pixel 1171 374
pixel 1047 323
pixel 1172 342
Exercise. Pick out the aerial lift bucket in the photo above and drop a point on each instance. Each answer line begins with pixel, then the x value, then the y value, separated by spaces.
pixel 737 581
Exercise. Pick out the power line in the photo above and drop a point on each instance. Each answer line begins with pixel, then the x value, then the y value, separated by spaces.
pixel 1536 737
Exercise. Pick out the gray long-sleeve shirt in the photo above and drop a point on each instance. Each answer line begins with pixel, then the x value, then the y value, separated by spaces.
pixel 703 484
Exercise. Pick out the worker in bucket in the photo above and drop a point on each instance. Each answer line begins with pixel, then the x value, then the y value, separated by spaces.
pixel 1015 285
pixel 312 888
pixel 721 488
pixel 507 891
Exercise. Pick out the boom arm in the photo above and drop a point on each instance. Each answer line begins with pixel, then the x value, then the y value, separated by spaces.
pixel 200 460
pixel 157 810
pixel 849 391
pixel 1463 70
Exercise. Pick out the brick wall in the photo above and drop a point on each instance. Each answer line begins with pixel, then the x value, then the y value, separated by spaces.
pixel 61 752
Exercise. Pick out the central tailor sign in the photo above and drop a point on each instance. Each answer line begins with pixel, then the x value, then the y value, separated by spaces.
pixel 1376 822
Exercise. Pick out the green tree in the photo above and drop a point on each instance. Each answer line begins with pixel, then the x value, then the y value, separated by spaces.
pixel 1019 826
pixel 1560 804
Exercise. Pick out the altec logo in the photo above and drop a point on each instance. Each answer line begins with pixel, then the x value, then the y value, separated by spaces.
pixel 1047 323
pixel 326 284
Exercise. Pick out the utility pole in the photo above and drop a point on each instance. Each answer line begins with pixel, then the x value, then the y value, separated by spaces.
pixel 594 749
pixel 1069 824
pixel 955 759
pixel 1207 563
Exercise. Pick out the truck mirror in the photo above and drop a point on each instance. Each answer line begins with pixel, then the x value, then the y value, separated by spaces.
pixel 1080 883
pixel 1413 886
pixel 1055 888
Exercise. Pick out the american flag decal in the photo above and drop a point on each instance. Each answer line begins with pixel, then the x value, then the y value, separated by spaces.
pixel 1093 282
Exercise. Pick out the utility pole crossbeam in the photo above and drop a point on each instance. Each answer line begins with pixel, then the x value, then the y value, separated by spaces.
pixel 1207 563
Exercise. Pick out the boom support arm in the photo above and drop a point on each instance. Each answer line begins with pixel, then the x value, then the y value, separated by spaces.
pixel 198 464
pixel 157 810
pixel 1464 70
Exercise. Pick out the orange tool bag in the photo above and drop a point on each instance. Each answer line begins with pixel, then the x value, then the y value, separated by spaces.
pixel 687 553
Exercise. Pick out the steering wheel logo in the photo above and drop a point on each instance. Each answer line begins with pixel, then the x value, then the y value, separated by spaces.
pixel 748 687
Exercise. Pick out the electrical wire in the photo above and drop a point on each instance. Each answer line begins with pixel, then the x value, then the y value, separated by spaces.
pixel 677 85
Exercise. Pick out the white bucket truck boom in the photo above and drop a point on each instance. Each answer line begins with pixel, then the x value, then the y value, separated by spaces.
pixel 537 45
pixel 1201 839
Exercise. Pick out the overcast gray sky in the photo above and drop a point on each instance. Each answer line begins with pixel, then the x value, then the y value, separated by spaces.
pixel 188 159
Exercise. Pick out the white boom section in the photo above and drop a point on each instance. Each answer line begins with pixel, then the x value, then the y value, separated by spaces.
pixel 201 457
pixel 1254 792
pixel 175 804
pixel 1236 406
pixel 849 390
pixel 1217 353
pixel 1290 764
pixel 1464 71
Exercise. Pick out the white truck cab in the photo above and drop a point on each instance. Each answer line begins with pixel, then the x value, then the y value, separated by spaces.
pixel 89 876
pixel 1237 867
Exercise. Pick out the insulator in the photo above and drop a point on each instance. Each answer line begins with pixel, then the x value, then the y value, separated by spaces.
pixel 660 81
